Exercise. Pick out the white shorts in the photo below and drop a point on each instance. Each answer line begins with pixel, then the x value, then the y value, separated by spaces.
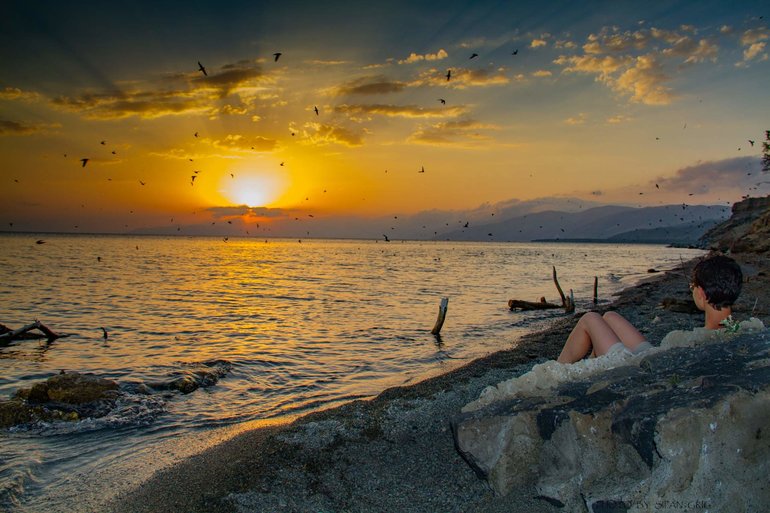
pixel 619 346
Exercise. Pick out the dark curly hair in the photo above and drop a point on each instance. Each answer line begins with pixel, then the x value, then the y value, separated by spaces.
pixel 721 279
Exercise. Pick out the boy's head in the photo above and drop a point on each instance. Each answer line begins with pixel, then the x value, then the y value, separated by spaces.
pixel 721 278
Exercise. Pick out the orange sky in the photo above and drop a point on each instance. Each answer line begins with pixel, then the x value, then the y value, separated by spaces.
pixel 598 103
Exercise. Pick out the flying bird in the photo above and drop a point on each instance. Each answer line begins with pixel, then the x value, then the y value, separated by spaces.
pixel 422 169
pixel 750 142
pixel 40 241
pixel 103 143
pixel 202 69
pixel 515 52
pixel 192 179
pixel 196 134
pixel 386 238
pixel 316 110
pixel 473 55
pixel 277 55
pixel 448 74
pixel 84 161
pixel 104 333
pixel 443 101
pixel 141 182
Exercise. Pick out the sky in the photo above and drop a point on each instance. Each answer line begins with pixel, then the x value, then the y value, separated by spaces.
pixel 431 110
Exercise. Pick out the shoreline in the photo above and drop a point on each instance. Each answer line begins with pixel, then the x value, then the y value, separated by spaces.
pixel 395 452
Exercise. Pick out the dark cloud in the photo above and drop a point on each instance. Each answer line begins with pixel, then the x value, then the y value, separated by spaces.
pixel 244 210
pixel 371 85
pixel 704 177
pixel 8 127
pixel 232 76
pixel 142 104
pixel 451 132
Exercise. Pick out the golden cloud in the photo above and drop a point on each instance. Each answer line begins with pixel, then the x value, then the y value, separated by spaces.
pixel 403 111
pixel 241 142
pixel 459 132
pixel 580 119
pixel 644 82
pixel 537 43
pixel 140 103
pixel 14 93
pixel 323 134
pixel 542 73
pixel 414 57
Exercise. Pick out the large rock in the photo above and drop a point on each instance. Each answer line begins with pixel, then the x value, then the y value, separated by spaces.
pixel 684 425
pixel 67 396
pixel 746 231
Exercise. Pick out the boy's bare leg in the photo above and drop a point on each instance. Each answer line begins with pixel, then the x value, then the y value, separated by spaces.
pixel 626 331
pixel 591 331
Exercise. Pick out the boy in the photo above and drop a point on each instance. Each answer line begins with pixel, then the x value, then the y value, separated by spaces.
pixel 716 284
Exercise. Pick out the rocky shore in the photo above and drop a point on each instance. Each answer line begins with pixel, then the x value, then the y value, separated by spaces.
pixel 396 452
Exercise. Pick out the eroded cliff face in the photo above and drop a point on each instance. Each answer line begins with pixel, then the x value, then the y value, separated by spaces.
pixel 746 231
pixel 681 425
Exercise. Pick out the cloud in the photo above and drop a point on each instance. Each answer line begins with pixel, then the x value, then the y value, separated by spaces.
pixel 537 43
pixel 462 78
pixel 644 82
pixel 323 134
pixel 244 210
pixel 143 104
pixel 16 94
pixel 619 118
pixel 729 174
pixel 189 94
pixel 240 142
pixel 639 64
pixel 542 73
pixel 8 127
pixel 370 86
pixel 404 111
pixel 753 51
pixel 580 119
pixel 451 133
pixel 414 57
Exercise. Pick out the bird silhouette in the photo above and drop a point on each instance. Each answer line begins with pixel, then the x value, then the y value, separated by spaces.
pixel 192 179
pixel 277 55
pixel 386 238
pixel 515 52
pixel 448 74
pixel 84 161
pixel 103 143
pixel 422 169
pixel 443 101
pixel 750 142
pixel 316 110
pixel 466 225
pixel 141 182
pixel 473 55
pixel 40 241
pixel 104 333
pixel 196 134
pixel 202 69
pixel 281 163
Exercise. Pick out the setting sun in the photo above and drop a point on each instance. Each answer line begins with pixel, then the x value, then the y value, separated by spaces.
pixel 253 190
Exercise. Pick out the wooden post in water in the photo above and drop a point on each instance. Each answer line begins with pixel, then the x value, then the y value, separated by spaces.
pixel 596 289
pixel 441 315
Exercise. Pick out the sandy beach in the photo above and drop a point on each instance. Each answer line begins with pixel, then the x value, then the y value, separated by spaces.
pixel 396 452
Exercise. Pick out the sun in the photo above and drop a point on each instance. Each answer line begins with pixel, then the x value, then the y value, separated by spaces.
pixel 252 189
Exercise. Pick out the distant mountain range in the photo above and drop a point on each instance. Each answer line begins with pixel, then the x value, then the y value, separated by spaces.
pixel 669 224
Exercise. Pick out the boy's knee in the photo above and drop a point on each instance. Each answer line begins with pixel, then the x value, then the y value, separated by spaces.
pixel 610 316
pixel 590 317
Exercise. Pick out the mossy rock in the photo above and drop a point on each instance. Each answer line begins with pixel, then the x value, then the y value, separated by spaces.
pixel 69 388
pixel 14 412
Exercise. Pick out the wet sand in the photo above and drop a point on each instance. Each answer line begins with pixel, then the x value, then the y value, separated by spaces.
pixel 395 452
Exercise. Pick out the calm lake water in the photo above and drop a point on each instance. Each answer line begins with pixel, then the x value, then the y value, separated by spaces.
pixel 289 326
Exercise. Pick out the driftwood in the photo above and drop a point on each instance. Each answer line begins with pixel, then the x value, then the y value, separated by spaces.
pixel 568 303
pixel 532 305
pixel 441 316
pixel 7 335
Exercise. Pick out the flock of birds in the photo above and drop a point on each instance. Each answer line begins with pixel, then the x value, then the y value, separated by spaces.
pixel 276 56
